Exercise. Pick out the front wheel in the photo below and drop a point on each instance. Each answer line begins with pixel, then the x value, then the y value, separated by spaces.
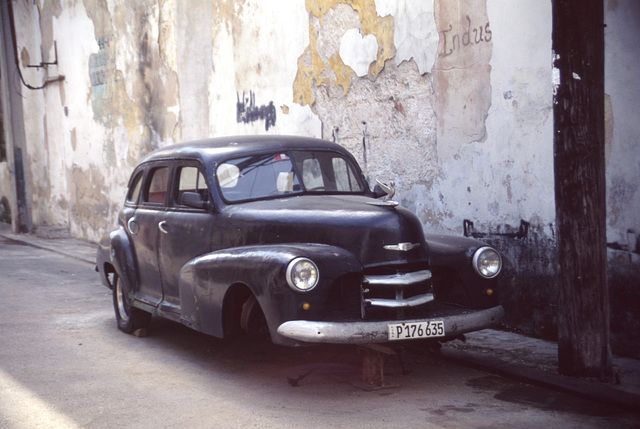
pixel 252 320
pixel 128 318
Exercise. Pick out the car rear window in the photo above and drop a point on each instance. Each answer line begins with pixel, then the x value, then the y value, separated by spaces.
pixel 156 190
pixel 134 188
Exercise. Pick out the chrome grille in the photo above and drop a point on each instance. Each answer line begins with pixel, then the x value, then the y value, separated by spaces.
pixel 398 291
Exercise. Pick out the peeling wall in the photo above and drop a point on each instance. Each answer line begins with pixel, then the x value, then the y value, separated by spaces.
pixel 622 134
pixel 622 52
pixel 380 116
pixel 384 78
pixel 461 74
pixel 450 99
pixel 141 75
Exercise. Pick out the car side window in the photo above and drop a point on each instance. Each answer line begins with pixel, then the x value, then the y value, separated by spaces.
pixel 134 189
pixel 312 174
pixel 345 178
pixel 326 171
pixel 189 179
pixel 156 187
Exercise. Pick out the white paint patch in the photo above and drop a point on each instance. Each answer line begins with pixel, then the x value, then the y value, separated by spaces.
pixel 358 52
pixel 120 143
pixel 299 120
pixel 555 76
pixel 415 34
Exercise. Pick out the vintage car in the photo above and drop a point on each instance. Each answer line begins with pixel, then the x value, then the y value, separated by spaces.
pixel 282 234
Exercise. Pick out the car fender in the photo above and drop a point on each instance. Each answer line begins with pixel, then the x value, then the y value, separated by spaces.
pixel 115 248
pixel 453 254
pixel 452 251
pixel 204 281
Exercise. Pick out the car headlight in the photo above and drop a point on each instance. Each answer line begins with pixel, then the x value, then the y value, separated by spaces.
pixel 302 274
pixel 487 262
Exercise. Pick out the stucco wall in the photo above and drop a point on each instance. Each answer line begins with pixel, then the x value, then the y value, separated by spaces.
pixel 622 60
pixel 450 99
pixel 622 57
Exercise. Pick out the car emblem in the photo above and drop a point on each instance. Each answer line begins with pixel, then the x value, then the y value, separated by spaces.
pixel 402 247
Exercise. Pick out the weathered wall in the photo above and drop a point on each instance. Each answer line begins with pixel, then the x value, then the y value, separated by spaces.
pixel 439 97
pixel 622 60
pixel 450 99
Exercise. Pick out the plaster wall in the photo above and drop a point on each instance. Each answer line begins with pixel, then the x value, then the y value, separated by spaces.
pixel 450 99
pixel 622 59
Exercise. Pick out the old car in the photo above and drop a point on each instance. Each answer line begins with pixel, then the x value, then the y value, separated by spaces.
pixel 282 234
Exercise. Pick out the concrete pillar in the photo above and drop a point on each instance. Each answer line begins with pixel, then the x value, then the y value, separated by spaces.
pixel 13 121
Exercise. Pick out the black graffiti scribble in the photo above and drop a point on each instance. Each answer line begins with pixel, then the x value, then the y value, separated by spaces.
pixel 247 111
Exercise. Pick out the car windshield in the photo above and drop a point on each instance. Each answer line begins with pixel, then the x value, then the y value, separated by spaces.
pixel 282 173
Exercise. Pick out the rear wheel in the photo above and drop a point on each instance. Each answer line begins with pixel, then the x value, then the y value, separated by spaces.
pixel 128 318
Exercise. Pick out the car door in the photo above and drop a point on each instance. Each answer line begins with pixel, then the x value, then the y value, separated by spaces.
pixel 185 232
pixel 143 228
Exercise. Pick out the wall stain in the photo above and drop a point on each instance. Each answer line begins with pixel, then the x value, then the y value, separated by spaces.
pixel 462 73
pixel 227 13
pixel 608 128
pixel 138 101
pixel 167 34
pixel 88 205
pixel 135 103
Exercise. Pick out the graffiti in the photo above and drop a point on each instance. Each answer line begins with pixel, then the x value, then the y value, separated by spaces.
pixel 98 62
pixel 101 67
pixel 452 42
pixel 247 111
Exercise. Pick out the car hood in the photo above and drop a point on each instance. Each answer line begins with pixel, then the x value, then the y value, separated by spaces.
pixel 359 224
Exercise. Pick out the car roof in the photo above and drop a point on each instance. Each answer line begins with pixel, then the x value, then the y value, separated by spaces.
pixel 220 148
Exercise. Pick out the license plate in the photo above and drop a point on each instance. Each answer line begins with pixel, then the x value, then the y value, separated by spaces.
pixel 404 331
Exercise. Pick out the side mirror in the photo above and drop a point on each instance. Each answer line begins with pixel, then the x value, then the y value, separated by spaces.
pixel 384 190
pixel 194 200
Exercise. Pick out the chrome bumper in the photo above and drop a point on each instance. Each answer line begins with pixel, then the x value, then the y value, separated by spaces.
pixel 378 332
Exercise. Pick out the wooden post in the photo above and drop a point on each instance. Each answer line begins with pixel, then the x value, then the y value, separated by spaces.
pixel 583 301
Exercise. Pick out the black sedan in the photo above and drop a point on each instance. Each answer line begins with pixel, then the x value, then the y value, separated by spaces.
pixel 281 234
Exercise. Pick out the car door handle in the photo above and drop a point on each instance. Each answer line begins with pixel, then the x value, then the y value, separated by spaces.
pixel 132 226
pixel 162 226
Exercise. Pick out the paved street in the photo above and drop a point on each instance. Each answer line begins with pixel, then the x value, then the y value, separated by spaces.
pixel 63 364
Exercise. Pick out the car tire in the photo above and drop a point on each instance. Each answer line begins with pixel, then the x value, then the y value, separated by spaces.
pixel 252 320
pixel 128 318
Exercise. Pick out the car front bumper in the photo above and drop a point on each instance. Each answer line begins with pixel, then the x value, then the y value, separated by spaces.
pixel 363 332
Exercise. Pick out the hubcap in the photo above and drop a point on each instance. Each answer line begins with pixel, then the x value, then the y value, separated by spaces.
pixel 122 306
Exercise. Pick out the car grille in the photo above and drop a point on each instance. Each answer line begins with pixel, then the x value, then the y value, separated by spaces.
pixel 388 295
